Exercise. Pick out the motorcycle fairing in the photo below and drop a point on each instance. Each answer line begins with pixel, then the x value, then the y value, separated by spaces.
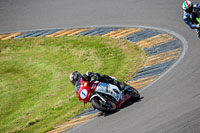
pixel 110 90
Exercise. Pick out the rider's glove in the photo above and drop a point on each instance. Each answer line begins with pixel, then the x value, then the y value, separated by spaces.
pixel 87 76
pixel 90 74
pixel 95 77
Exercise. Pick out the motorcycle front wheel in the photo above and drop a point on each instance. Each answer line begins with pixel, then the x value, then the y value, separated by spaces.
pixel 108 107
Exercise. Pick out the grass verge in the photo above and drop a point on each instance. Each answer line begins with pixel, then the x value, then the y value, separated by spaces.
pixel 35 94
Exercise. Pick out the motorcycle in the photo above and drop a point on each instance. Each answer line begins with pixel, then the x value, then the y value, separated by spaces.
pixel 105 97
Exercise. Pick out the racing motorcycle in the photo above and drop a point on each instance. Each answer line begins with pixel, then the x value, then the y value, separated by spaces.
pixel 105 97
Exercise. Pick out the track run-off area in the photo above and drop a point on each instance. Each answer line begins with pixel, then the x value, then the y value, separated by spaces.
pixel 171 104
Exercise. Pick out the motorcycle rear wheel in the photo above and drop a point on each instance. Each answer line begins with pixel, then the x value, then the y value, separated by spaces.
pixel 110 107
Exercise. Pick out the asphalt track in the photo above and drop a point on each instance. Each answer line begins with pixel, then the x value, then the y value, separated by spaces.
pixel 171 104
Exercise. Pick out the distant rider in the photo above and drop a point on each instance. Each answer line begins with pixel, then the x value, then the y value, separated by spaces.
pixel 76 76
pixel 190 14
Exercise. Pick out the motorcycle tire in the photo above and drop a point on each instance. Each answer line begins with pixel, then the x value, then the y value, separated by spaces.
pixel 96 103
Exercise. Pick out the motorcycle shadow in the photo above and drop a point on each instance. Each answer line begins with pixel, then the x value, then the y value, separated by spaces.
pixel 124 106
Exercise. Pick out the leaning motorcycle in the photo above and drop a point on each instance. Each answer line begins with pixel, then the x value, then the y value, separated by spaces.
pixel 104 96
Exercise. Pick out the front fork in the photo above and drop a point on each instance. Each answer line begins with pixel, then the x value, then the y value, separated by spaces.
pixel 97 95
pixel 103 100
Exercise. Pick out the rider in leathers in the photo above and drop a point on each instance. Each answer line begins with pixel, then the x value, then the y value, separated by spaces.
pixel 90 76
pixel 190 14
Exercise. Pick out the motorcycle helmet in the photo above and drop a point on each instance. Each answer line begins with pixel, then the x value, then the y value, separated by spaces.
pixel 74 77
pixel 187 6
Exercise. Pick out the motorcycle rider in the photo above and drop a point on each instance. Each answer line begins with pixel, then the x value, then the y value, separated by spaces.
pixel 190 14
pixel 76 76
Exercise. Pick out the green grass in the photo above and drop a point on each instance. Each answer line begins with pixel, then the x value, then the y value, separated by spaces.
pixel 35 92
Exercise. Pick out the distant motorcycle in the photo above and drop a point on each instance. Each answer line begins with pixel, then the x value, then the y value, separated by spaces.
pixel 104 96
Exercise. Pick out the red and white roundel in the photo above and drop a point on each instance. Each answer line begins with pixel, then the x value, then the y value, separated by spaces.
pixel 83 94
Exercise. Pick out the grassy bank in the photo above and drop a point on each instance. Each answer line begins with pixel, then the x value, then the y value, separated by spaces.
pixel 35 93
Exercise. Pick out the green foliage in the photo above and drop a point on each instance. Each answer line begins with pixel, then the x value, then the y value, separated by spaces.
pixel 35 93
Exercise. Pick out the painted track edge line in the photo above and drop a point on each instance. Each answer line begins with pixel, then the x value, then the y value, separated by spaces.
pixel 184 50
